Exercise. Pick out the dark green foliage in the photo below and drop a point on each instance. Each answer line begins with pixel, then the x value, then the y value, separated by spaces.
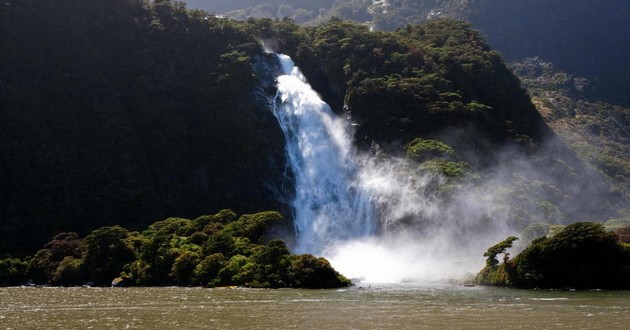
pixel 497 249
pixel 224 217
pixel 448 169
pixel 70 271
pixel 418 82
pixel 421 149
pixel 253 226
pixel 435 156
pixel 198 238
pixel 170 226
pixel 41 268
pixel 221 242
pixel 44 264
pixel 312 272
pixel 492 273
pixel 275 261
pixel 183 267
pixel 106 253
pixel 175 252
pixel 132 111
pixel 13 271
pixel 585 38
pixel 232 274
pixel 160 247
pixel 582 255
pixel 207 271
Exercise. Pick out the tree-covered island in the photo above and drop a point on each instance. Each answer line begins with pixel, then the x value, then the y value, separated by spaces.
pixel 214 250
pixel 582 255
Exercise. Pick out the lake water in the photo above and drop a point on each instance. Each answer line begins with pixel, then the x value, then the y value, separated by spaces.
pixel 368 307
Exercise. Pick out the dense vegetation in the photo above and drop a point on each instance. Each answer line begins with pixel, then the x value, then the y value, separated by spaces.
pixel 217 250
pixel 585 38
pixel 440 81
pixel 301 11
pixel 582 255
pixel 123 112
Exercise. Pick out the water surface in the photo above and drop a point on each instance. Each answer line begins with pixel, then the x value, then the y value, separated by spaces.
pixel 368 307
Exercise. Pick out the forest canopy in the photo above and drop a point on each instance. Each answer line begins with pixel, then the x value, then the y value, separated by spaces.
pixel 212 250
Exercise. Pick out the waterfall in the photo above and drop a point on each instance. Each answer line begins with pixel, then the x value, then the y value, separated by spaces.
pixel 342 197
pixel 330 203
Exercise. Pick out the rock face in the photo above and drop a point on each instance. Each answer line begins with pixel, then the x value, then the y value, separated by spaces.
pixel 120 282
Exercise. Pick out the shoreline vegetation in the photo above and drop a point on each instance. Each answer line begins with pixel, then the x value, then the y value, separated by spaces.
pixel 582 255
pixel 227 251
pixel 221 250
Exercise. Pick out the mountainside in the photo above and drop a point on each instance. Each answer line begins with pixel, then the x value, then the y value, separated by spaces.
pixel 586 38
pixel 117 112
pixel 587 41
pixel 125 112
pixel 598 132
pixel 299 10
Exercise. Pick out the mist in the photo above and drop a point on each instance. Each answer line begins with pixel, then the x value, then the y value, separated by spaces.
pixel 382 218
pixel 436 229
pixel 429 229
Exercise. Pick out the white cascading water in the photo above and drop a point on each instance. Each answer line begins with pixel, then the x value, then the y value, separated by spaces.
pixel 330 204
pixel 343 198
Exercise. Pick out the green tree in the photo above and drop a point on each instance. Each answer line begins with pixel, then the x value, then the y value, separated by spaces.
pixel 309 271
pixel 162 243
pixel 13 271
pixel 107 253
pixel 221 242
pixel 207 271
pixel 582 255
pixel 275 261
pixel 41 268
pixel 44 264
pixel 493 273
pixel 499 248
pixel 227 275
pixel 184 267
pixel 253 226
pixel 71 271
